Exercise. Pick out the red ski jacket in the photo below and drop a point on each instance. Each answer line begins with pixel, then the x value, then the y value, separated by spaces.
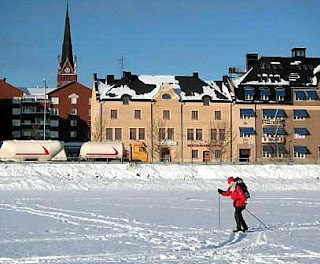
pixel 238 196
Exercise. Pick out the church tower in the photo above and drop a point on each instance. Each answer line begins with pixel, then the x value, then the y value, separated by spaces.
pixel 67 66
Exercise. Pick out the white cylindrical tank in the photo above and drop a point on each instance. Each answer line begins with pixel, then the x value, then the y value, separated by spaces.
pixel 39 150
pixel 101 150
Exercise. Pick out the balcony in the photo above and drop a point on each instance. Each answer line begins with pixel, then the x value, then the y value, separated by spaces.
pixel 273 140
pixel 273 122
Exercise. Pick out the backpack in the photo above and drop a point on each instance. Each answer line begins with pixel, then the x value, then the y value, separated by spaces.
pixel 243 186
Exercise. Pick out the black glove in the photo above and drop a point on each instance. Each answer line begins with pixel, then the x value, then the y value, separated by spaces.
pixel 220 191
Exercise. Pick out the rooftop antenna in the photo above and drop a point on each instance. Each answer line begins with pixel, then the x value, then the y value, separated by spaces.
pixel 122 62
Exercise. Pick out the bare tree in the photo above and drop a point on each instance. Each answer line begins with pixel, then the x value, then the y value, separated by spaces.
pixel 220 140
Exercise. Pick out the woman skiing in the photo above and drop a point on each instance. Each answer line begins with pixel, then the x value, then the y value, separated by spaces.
pixel 239 203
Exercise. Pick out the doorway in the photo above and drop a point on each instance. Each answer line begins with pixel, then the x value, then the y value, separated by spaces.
pixel 206 156
pixel 165 155
pixel 244 155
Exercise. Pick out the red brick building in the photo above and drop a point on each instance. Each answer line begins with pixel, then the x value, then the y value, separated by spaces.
pixel 71 103
pixel 7 93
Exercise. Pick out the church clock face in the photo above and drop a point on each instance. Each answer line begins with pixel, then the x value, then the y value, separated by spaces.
pixel 67 70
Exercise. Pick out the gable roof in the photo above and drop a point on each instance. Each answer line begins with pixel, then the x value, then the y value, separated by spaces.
pixel 145 87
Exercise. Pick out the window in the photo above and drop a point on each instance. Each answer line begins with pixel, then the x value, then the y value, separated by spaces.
pixel 109 132
pixel 246 131
pixel 26 133
pixel 300 132
pixel 218 154
pixel 54 134
pixel 222 134
pixel 73 122
pixel 300 114
pixel 195 154
pixel 246 113
pixel 190 134
pixel 170 133
pixel 113 114
pixel 217 115
pixel 137 114
pixel 280 94
pixel 133 133
pixel 213 134
pixel 54 122
pixel 54 111
pixel 166 96
pixel 142 134
pixel 89 101
pixel 166 114
pixel 194 115
pixel 198 134
pixel 162 133
pixel 300 151
pixel 206 100
pixel 16 111
pixel 55 100
pixel 16 134
pixel 73 98
pixel 300 95
pixel 118 133
pixel 73 111
pixel 16 122
pixel 318 152
pixel 73 134
pixel 249 93
pixel 125 99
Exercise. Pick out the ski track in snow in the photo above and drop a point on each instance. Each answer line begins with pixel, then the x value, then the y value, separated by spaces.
pixel 156 243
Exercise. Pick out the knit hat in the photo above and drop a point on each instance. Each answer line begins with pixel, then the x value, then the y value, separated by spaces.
pixel 230 179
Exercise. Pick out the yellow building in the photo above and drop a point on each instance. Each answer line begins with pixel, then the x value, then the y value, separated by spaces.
pixel 180 118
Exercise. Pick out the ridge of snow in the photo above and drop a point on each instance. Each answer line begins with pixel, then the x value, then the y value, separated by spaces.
pixel 84 176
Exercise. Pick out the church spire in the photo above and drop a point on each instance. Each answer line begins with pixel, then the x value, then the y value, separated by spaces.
pixel 67 45
pixel 67 68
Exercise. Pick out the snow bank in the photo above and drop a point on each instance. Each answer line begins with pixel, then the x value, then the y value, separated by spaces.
pixel 88 176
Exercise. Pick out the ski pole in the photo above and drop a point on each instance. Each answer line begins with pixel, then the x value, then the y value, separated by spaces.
pixel 218 211
pixel 257 219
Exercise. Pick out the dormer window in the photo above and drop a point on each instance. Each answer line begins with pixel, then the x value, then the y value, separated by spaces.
pixel 248 93
pixel 280 94
pixel 166 96
pixel 206 100
pixel 125 99
pixel 264 94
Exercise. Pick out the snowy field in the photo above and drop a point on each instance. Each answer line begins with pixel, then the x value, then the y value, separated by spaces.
pixel 121 213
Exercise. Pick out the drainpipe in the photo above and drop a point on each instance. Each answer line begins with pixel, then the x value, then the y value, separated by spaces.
pixel 231 133
pixel 152 102
pixel 181 130
pixel 256 135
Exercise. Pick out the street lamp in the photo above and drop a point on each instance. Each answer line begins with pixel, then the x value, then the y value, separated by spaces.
pixel 44 109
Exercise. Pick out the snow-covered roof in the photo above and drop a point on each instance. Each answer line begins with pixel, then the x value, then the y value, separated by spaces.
pixel 186 88
pixel 316 70
pixel 36 90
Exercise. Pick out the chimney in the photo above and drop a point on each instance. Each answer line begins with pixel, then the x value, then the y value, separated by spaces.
pixel 110 79
pixel 251 58
pixel 298 52
pixel 195 75
pixel 127 74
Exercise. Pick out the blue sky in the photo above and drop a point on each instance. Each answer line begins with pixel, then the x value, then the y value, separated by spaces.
pixel 154 37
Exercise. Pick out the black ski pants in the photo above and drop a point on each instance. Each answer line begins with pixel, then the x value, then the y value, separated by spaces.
pixel 241 224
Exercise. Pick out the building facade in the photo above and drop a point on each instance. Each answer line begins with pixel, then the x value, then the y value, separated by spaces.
pixel 276 108
pixel 179 118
